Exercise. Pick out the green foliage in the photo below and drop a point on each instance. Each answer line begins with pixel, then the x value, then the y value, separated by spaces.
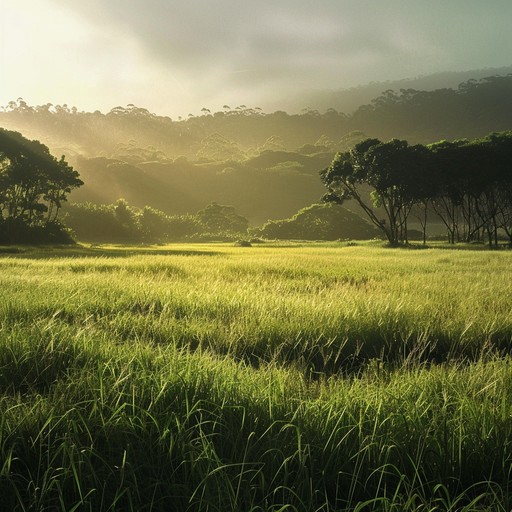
pixel 91 222
pixel 218 148
pixel 154 223
pixel 183 187
pixel 318 222
pixel 421 116
pixel 16 231
pixel 133 154
pixel 127 220
pixel 122 223
pixel 467 183
pixel 248 141
pixel 218 218
pixel 273 143
pixel 33 186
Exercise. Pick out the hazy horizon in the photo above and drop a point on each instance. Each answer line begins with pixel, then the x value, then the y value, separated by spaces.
pixel 174 58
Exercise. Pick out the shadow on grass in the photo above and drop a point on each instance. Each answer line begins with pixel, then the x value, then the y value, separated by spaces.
pixel 55 252
pixel 459 246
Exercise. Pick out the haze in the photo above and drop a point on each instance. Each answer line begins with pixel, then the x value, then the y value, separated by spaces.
pixel 178 57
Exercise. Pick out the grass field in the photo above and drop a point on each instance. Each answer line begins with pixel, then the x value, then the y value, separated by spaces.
pixel 270 378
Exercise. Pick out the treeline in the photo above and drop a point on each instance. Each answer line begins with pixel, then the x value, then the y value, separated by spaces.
pixel 122 223
pixel 349 100
pixel 243 156
pixel 465 184
pixel 471 110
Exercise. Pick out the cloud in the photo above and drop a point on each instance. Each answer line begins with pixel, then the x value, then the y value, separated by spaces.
pixel 244 43
pixel 200 34
pixel 200 52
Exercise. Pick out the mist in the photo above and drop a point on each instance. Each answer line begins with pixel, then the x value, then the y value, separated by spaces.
pixel 176 58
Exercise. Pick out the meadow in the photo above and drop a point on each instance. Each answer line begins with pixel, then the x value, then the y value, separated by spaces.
pixel 278 377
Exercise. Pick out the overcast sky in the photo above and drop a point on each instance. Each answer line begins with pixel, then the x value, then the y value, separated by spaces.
pixel 175 57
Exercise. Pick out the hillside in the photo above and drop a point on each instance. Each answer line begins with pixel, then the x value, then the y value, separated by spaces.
pixel 264 164
pixel 349 100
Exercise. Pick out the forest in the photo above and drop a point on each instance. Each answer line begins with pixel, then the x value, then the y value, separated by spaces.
pixel 243 157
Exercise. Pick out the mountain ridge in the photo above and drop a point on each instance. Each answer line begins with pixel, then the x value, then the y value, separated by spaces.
pixel 349 99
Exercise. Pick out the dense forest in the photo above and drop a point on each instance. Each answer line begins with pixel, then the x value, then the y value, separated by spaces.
pixel 131 133
pixel 349 100
pixel 265 165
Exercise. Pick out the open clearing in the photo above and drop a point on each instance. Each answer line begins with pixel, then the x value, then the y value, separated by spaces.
pixel 276 377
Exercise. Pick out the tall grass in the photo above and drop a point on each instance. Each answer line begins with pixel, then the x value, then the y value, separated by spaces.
pixel 264 379
pixel 330 308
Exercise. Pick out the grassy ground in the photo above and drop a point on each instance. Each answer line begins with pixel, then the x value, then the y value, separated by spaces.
pixel 209 377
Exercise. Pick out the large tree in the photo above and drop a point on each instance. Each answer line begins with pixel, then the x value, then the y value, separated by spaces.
pixel 384 178
pixel 474 184
pixel 33 183
pixel 219 218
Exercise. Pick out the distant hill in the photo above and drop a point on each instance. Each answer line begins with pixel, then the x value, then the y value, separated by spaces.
pixel 473 108
pixel 349 100
pixel 264 164
pixel 271 186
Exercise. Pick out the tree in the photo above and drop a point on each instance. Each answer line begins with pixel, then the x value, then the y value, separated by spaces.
pixel 218 148
pixel 218 218
pixel 397 175
pixel 94 222
pixel 33 184
pixel 318 222
pixel 467 183
pixel 127 218
pixel 157 226
pixel 501 144
pixel 471 180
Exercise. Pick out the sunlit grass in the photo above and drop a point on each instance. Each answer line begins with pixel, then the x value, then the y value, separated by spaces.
pixel 265 303
pixel 267 378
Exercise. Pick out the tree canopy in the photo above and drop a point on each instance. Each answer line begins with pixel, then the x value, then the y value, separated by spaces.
pixel 219 218
pixel 468 184
pixel 33 186
pixel 122 223
pixel 318 222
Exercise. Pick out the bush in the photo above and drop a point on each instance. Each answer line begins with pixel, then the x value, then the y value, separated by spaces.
pixel 319 222
pixel 16 231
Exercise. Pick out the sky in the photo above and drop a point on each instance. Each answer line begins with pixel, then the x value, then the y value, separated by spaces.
pixel 177 57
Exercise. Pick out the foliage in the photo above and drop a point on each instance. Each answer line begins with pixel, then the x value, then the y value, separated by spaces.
pixel 218 148
pixel 127 220
pixel 217 218
pixel 16 232
pixel 122 223
pixel 176 166
pixel 181 186
pixel 133 154
pixel 318 222
pixel 92 222
pixel 421 116
pixel 33 186
pixel 465 182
